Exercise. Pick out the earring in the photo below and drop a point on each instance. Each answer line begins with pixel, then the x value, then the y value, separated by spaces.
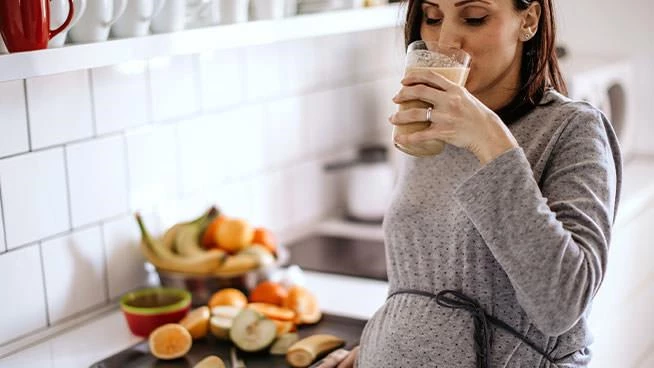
pixel 526 36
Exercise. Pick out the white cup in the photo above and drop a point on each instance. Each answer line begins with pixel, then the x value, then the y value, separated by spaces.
pixel 290 8
pixel 58 13
pixel 203 13
pixel 96 21
pixel 267 9
pixel 233 11
pixel 135 21
pixel 171 18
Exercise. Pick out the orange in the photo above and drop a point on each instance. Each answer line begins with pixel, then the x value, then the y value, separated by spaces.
pixel 170 341
pixel 197 322
pixel 305 305
pixel 273 312
pixel 211 361
pixel 228 296
pixel 269 292
pixel 234 234
pixel 209 238
pixel 266 238
pixel 284 326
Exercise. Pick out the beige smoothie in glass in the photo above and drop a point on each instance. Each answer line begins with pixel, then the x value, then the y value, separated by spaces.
pixel 452 64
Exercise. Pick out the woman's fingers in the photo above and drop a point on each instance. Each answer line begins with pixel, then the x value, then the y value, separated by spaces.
pixel 334 358
pixel 419 115
pixel 348 362
pixel 428 77
pixel 420 92
pixel 435 131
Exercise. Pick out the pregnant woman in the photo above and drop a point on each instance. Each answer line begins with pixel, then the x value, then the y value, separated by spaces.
pixel 496 246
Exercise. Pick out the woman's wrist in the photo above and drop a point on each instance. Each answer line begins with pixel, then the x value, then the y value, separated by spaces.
pixel 501 141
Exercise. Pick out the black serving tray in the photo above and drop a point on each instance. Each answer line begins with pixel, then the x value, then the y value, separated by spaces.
pixel 138 356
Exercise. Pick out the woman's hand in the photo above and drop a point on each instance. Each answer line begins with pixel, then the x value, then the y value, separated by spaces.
pixel 340 358
pixel 457 117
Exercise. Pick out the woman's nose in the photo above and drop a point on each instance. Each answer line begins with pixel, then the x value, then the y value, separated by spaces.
pixel 449 36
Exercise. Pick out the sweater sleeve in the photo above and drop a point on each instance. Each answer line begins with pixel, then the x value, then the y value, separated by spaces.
pixel 551 240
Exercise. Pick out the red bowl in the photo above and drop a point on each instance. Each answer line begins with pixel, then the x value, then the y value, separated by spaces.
pixel 147 309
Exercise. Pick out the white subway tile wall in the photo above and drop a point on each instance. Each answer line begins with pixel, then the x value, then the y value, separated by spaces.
pixel 22 293
pixel 59 108
pixel 34 196
pixel 97 174
pixel 152 164
pixel 125 269
pixel 174 87
pixel 13 124
pixel 248 130
pixel 120 96
pixel 222 74
pixel 74 270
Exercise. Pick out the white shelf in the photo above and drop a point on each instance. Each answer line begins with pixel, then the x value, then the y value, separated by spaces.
pixel 84 56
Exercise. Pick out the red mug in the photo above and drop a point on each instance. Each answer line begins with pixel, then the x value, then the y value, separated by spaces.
pixel 25 24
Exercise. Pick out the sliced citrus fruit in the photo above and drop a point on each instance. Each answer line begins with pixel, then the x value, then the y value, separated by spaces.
pixel 170 341
pixel 197 322
pixel 211 361
pixel 273 311
pixel 228 296
pixel 284 327
pixel 305 305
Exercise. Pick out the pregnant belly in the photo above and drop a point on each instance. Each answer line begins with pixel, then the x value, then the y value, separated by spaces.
pixel 413 331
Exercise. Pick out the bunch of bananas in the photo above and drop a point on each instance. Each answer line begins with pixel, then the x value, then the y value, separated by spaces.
pixel 180 250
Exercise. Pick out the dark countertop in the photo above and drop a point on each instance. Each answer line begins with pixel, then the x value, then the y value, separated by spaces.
pixel 340 255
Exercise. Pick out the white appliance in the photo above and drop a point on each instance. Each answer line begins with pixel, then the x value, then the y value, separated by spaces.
pixel 606 83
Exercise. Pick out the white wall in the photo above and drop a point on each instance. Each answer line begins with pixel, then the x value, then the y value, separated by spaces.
pixel 247 129
pixel 616 28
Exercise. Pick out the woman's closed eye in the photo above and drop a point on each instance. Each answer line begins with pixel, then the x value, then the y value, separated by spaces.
pixel 477 21
pixel 471 21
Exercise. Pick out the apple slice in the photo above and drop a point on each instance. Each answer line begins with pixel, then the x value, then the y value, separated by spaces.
pixel 251 331
pixel 220 326
pixel 226 311
pixel 283 342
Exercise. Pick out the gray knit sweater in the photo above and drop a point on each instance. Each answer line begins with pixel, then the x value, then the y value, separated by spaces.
pixel 526 235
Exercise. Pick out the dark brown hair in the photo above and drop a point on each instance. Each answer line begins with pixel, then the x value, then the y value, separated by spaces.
pixel 540 66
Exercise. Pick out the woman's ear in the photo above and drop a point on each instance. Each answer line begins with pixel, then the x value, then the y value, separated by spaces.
pixel 530 20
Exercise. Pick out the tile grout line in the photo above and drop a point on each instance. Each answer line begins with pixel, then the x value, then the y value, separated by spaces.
pixel 149 116
pixel 71 231
pixel 45 288
pixel 94 122
pixel 4 224
pixel 69 200
pixel 27 117
pixel 105 262
pixel 128 174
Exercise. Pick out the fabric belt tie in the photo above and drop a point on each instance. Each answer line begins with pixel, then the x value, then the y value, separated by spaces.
pixel 457 300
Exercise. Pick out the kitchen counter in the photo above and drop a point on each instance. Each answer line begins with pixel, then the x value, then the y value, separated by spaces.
pixel 343 295
pixel 108 333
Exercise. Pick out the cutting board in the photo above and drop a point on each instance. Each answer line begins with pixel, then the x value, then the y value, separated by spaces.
pixel 138 356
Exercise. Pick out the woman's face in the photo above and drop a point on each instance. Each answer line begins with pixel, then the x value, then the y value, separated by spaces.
pixel 489 30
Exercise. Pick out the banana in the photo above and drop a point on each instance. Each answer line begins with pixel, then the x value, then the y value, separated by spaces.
pixel 186 240
pixel 306 351
pixel 164 258
pixel 185 236
pixel 237 264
